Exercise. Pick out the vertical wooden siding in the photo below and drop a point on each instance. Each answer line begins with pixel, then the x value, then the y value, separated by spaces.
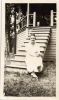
pixel 50 54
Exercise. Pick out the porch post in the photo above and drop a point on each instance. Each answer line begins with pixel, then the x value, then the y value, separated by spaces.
pixel 51 18
pixel 34 19
pixel 27 14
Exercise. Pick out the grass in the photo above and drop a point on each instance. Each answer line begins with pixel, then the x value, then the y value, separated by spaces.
pixel 16 84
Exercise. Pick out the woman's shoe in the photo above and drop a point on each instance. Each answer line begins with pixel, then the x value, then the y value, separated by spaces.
pixel 34 75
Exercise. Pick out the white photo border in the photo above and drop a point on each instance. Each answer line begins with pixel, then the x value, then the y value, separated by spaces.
pixel 2 48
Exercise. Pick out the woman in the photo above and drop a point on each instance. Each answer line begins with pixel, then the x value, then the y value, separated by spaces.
pixel 33 57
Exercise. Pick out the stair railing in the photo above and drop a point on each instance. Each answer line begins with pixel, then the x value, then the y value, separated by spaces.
pixel 53 18
pixel 23 22
pixel 31 22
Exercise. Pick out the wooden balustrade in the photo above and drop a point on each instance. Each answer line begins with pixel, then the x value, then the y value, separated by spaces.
pixel 23 22
pixel 53 18
pixel 31 20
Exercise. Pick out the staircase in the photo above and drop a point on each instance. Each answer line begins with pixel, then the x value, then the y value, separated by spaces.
pixel 42 37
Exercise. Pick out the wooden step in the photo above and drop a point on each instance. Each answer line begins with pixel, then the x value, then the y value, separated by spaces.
pixel 20 52
pixel 17 62
pixel 43 27
pixel 37 41
pixel 39 38
pixel 16 69
pixel 40 44
pixel 41 35
pixel 38 32
pixel 40 28
pixel 22 49
pixel 42 49
pixel 20 57
pixel 16 66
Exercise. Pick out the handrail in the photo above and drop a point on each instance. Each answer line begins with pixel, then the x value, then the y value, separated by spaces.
pixel 23 22
pixel 23 18
pixel 30 14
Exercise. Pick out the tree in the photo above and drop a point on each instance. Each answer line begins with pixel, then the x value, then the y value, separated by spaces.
pixel 8 8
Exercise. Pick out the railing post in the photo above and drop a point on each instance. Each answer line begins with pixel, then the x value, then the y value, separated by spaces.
pixel 51 20
pixel 34 19
pixel 27 14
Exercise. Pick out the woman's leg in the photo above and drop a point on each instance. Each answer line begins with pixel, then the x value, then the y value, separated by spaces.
pixel 40 68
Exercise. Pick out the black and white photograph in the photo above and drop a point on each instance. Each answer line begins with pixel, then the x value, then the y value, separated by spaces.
pixel 30 49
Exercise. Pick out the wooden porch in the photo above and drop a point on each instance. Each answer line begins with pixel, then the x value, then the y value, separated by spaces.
pixel 45 37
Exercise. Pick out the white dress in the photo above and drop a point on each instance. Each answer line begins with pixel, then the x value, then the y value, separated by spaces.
pixel 33 58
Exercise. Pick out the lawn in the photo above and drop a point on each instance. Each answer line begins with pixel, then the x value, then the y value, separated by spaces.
pixel 21 85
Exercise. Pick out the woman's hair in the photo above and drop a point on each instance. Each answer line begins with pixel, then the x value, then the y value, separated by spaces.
pixel 33 34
